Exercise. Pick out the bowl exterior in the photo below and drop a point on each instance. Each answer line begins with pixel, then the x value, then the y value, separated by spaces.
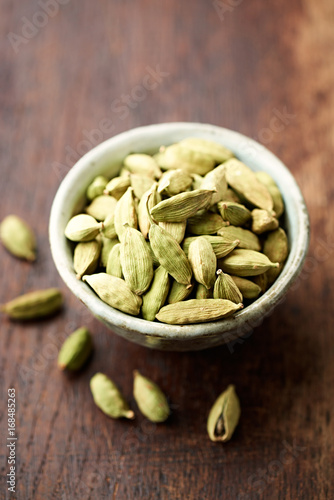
pixel 106 158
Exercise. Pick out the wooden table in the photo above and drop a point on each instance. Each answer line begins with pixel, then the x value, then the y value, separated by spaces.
pixel 72 78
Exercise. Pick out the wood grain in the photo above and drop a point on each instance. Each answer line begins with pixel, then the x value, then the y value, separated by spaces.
pixel 238 70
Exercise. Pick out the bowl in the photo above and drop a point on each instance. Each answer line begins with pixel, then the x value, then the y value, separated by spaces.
pixel 106 158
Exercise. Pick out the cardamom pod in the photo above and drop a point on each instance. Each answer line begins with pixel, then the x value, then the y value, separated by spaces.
pixel 136 260
pixel 96 187
pixel 224 416
pixel 234 213
pixel 248 289
pixel 141 184
pixel 125 213
pixel 262 281
pixel 109 230
pixel 18 238
pixel 216 181
pixel 154 197
pixel 205 223
pixel 243 180
pixel 34 305
pixel 107 246
pixel 118 186
pixel 203 262
pixel 178 292
pixel 143 164
pixel 114 266
pixel 108 397
pixel 155 261
pixel 86 257
pixel 197 311
pixel 202 292
pixel 197 181
pixel 75 350
pixel 169 253
pixel 246 263
pixel 174 182
pixel 272 187
pixel 176 229
pixel 221 246
pixel 156 295
pixel 115 292
pixel 101 207
pixel 247 239
pixel 185 158
pixel 276 247
pixel 150 399
pixel 231 195
pixel 263 221
pixel 226 288
pixel 180 207
pixel 210 148
pixel 83 227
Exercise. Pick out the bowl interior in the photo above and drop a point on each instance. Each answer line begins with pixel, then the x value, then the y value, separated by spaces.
pixel 107 158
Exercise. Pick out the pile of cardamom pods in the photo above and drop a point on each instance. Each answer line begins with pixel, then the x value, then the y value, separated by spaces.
pixel 183 236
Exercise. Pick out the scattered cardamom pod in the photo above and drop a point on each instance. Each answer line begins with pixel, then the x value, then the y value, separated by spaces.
pixel 150 399
pixel 34 305
pixel 86 257
pixel 225 288
pixel 18 238
pixel 83 227
pixel 75 350
pixel 156 295
pixel 197 311
pixel 115 292
pixel 108 397
pixel 224 416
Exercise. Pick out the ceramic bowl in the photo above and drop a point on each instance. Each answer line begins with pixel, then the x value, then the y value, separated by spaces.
pixel 106 158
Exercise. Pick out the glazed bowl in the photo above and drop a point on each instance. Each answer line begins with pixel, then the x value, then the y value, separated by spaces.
pixel 106 158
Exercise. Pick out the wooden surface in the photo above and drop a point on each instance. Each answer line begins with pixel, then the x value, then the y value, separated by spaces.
pixel 238 69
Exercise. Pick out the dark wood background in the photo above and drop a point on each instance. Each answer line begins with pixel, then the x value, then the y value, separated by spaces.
pixel 238 66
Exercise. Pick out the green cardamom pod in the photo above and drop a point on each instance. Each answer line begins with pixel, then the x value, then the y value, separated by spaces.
pixel 216 181
pixel 185 158
pixel 155 261
pixel 34 305
pixel 176 229
pixel 107 246
pixel 141 184
pixel 263 221
pixel 231 195
pixel 276 247
pixel 205 223
pixel 114 266
pixel 202 292
pixel 153 198
pixel 197 311
pixel 247 239
pixel 101 207
pixel 156 295
pixel 169 253
pixel 225 288
pixel 273 189
pixel 248 289
pixel 234 213
pixel 178 292
pixel 180 207
pixel 115 292
pixel 246 263
pixel 197 181
pixel 262 280
pixel 203 261
pixel 174 182
pixel 83 227
pixel 108 397
pixel 86 257
pixel 18 238
pixel 221 246
pixel 150 399
pixel 118 186
pixel 109 230
pixel 224 416
pixel 142 164
pixel 136 260
pixel 75 350
pixel 210 148
pixel 97 187
pixel 243 180
pixel 125 213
